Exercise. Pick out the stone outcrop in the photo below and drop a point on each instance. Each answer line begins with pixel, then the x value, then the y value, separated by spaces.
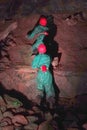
pixel 70 76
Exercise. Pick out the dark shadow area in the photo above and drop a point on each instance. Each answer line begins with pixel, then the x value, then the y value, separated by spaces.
pixel 51 44
pixel 57 123
pixel 12 8
pixel 34 6
pixel 15 94
pixel 56 88
pixel 5 44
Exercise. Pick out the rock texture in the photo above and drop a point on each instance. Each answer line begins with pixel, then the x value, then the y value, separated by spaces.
pixel 70 75
pixel 19 108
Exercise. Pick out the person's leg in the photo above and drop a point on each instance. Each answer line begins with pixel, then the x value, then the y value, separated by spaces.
pixel 50 95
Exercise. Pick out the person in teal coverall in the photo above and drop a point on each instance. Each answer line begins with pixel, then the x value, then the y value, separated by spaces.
pixel 41 29
pixel 44 78
pixel 39 40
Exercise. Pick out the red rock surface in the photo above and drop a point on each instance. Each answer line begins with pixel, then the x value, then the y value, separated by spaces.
pixel 71 72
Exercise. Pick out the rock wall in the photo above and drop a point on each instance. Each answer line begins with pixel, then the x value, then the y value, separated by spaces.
pixel 21 7
pixel 71 74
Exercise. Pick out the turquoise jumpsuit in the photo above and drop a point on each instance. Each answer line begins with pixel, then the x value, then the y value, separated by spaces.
pixel 38 29
pixel 43 79
pixel 38 41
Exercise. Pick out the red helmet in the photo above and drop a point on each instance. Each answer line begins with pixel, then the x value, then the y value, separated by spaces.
pixel 43 21
pixel 42 48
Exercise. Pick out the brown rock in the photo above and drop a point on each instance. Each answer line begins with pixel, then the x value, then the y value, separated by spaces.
pixel 18 110
pixel 85 126
pixel 72 47
pixel 72 129
pixel 6 121
pixel 31 112
pixel 45 126
pixel 24 83
pixel 19 120
pixel 31 126
pixel 1 115
pixel 11 127
pixel 32 119
pixel 48 116
pixel 2 102
pixel 12 102
pixel 2 106
pixel 8 114
pixel 10 28
pixel 20 54
pixel 36 109
pixel 71 22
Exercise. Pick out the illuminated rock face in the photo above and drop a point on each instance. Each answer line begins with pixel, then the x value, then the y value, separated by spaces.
pixel 71 74
pixel 71 84
pixel 21 82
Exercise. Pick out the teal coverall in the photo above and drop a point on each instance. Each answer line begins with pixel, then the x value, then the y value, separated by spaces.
pixel 43 79
pixel 38 29
pixel 38 41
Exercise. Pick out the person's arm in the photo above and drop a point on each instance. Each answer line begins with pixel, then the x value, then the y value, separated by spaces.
pixel 38 29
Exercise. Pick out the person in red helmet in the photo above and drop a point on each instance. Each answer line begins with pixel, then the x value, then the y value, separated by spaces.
pixel 39 28
pixel 42 49
pixel 44 78
pixel 39 40
pixel 43 21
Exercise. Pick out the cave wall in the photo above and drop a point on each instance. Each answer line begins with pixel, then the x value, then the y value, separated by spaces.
pixel 22 7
